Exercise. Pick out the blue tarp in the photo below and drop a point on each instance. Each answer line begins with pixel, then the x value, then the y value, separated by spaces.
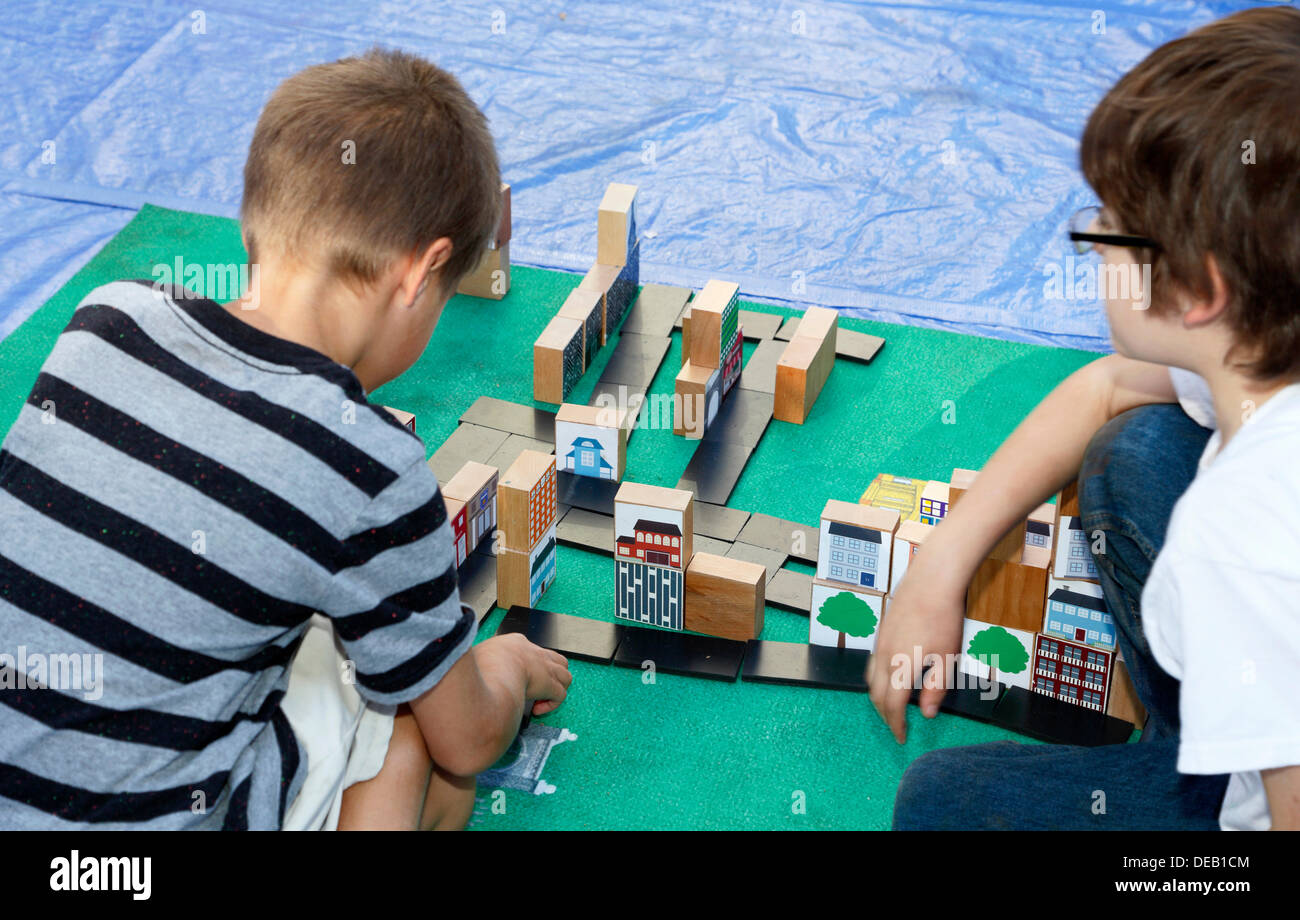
pixel 910 161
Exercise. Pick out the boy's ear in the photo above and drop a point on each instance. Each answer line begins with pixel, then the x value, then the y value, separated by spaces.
pixel 422 268
pixel 1207 309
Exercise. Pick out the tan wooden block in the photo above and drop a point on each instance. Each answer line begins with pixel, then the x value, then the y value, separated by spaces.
pixel 588 308
pixel 686 335
pixel 406 419
pixel 600 278
pixel 801 373
pixel 504 227
pixel 818 323
pixel 705 337
pixel 725 597
pixel 1122 701
pixel 616 224
pixel 469 481
pixel 674 500
pixel 557 359
pixel 692 384
pixel 526 502
pixel 957 486
pixel 1010 594
pixel 1068 501
pixel 615 422
pixel 1044 513
pixel 491 277
pixel 885 520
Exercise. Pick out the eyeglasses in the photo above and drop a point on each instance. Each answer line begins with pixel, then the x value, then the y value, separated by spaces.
pixel 1084 238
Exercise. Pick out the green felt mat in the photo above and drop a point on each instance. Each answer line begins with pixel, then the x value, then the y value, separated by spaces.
pixel 682 752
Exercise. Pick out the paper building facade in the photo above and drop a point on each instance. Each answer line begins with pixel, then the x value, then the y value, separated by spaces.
pixel 1072 672
pixel 855 544
pixel 1073 552
pixel 1076 610
pixel 997 653
pixel 592 441
pixel 653 538
pixel 844 617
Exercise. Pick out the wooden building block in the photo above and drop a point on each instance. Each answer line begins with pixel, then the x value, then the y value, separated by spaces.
pixel 714 321
pixel 804 366
pixel 1010 594
pixel 592 440
pixel 617 286
pixel 588 307
pixel 844 617
pixel 475 488
pixel 957 486
pixel 557 359
pixel 698 393
pixel 1068 501
pixel 504 227
pixel 907 540
pixel 686 334
pixel 855 544
pixel 725 597
pixel 818 323
pixel 935 499
pixel 653 525
pixel 526 503
pixel 616 224
pixel 523 577
pixel 1123 702
pixel 491 277
pixel 406 419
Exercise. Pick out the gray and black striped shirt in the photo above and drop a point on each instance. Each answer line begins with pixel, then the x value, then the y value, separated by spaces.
pixel 177 497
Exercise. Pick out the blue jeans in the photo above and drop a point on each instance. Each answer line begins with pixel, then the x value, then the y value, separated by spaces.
pixel 1135 469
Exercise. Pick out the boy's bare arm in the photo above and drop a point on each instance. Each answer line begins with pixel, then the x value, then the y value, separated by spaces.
pixel 1040 456
pixel 1282 786
pixel 470 717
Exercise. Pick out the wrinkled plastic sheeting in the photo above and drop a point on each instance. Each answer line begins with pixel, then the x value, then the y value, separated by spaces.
pixel 909 161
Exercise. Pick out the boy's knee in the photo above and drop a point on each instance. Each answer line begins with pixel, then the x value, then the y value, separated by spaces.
pixel 925 794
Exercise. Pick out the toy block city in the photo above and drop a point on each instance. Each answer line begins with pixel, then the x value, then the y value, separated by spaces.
pixel 1035 622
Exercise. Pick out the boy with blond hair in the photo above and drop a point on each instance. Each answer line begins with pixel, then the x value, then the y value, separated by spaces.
pixel 260 555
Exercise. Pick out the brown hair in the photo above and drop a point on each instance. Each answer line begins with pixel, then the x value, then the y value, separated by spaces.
pixel 423 166
pixel 1166 151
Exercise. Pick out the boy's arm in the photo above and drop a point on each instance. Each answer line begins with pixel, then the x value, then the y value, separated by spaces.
pixel 470 717
pixel 1040 456
pixel 1282 786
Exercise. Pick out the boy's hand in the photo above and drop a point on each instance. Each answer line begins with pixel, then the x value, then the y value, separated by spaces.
pixel 546 673
pixel 924 618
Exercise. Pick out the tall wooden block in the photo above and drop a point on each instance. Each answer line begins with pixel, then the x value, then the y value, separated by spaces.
pixel 699 394
pixel 522 577
pixel 526 500
pixel 1068 501
pixel 491 277
pixel 616 224
pixel 557 359
pixel 406 419
pixel 1010 543
pixel 957 486
pixel 725 597
pixel 592 440
pixel 504 226
pixel 474 486
pixel 1010 594
pixel 588 308
pixel 805 364
pixel 714 320
pixel 1123 702
pixel 617 286
pixel 907 540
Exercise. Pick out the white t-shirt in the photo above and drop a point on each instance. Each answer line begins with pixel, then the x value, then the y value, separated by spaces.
pixel 1221 607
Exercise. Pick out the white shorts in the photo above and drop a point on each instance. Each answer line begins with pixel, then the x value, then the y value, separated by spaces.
pixel 345 737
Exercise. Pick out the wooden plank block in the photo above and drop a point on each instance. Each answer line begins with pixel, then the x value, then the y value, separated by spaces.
pixel 857 346
pixel 969 702
pixel 760 370
pixel 478 583
pixel 787 330
pixel 491 277
pixel 557 359
pixel 405 419
pixel 469 442
pixel 724 596
pixel 1052 720
pixel 770 559
pixel 790 590
pixel 759 326
pixel 580 527
pixel 741 421
pixel 586 492
pixel 573 637
pixel 703 544
pixel 714 470
pixel 515 445
pixel 803 368
pixel 719 521
pixel 656 311
pixel 796 664
pixel 787 537
pixel 490 412
pixel 636 360
pixel 616 223
pixel 680 653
